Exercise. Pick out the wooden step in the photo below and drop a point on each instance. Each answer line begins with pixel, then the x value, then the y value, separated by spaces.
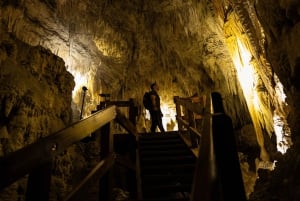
pixel 154 152
pixel 169 147
pixel 149 185
pixel 166 167
pixel 159 141
pixel 158 137
pixel 154 190
pixel 167 199
pixel 168 160
pixel 164 178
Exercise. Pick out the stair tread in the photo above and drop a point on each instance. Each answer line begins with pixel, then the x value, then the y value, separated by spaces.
pixel 151 163
pixel 165 184
pixel 166 188
pixel 166 199
pixel 167 170
pixel 163 147
pixel 171 166
pixel 160 141
pixel 158 135
pixel 170 157
pixel 182 175
pixel 166 167
pixel 176 152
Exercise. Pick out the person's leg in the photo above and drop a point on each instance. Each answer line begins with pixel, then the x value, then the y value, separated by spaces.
pixel 153 121
pixel 153 127
pixel 160 125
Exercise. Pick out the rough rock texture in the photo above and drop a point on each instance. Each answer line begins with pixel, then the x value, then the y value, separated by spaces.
pixel 247 50
pixel 35 101
pixel 35 92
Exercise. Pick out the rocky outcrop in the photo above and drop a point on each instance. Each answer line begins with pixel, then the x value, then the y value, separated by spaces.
pixel 36 97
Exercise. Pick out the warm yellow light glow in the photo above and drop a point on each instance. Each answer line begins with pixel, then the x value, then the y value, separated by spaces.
pixel 147 115
pixel 169 118
pixel 281 129
pixel 282 135
pixel 279 90
pixel 110 48
pixel 245 72
pixel 241 60
pixel 80 81
pixel 247 77
pixel 255 98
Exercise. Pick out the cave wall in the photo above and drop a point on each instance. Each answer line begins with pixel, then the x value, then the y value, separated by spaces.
pixel 282 48
pixel 35 92
pixel 35 101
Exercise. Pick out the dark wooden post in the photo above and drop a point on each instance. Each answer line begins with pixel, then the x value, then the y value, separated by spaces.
pixel 39 182
pixel 84 89
pixel 132 111
pixel 226 153
pixel 105 191
pixel 192 124
pixel 205 173
pixel 178 113
pixel 198 118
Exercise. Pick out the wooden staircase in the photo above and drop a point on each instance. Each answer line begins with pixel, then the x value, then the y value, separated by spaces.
pixel 166 167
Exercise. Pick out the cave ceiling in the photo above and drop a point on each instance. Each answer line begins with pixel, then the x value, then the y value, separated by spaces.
pixel 121 46
pixel 188 46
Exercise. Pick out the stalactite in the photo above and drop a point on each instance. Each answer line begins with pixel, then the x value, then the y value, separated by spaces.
pixel 244 17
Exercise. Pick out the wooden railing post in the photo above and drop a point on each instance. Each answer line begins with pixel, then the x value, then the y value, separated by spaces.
pixel 204 184
pixel 132 111
pixel 39 182
pixel 106 143
pixel 227 160
pixel 192 123
pixel 178 114
pixel 35 159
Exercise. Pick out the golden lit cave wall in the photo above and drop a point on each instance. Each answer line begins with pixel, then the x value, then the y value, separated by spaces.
pixel 262 99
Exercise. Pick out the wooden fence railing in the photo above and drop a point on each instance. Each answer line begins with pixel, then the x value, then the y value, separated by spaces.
pixel 218 175
pixel 35 160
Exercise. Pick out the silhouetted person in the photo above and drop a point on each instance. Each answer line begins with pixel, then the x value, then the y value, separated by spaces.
pixel 155 111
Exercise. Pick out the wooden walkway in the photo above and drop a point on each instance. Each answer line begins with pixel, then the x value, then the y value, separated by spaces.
pixel 204 134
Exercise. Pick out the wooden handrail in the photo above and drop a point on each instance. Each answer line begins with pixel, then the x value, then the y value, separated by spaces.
pixel 189 105
pixel 127 125
pixel 188 127
pixel 218 174
pixel 229 172
pixel 209 168
pixel 205 173
pixel 199 108
pixel 13 166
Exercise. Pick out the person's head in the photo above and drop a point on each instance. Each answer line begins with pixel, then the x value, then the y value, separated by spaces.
pixel 154 86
